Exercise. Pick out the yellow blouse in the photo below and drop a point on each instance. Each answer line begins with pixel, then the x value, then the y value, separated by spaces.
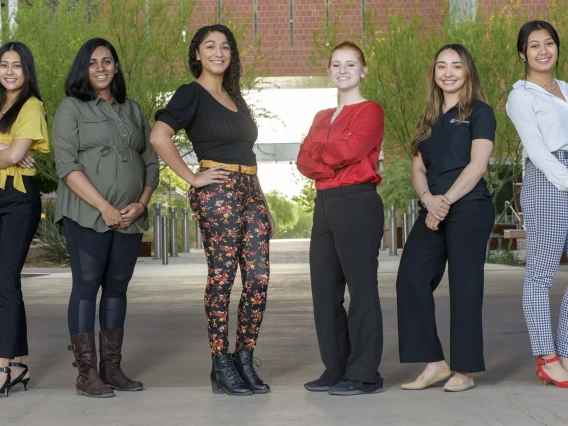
pixel 30 124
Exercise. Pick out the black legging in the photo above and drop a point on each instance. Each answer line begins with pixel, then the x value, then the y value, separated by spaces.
pixel 99 259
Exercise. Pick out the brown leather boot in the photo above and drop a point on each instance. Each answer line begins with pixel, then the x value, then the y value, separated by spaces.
pixel 109 369
pixel 88 381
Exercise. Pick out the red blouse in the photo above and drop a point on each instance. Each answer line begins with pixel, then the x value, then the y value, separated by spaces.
pixel 347 151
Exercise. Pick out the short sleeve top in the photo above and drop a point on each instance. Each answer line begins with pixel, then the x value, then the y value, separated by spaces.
pixel 110 144
pixel 30 124
pixel 216 132
pixel 448 150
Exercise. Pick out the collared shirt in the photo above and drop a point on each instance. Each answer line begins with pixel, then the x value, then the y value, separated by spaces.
pixel 541 120
pixel 30 124
pixel 110 144
pixel 345 152
pixel 447 152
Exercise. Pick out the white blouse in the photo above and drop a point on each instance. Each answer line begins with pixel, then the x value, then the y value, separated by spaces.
pixel 541 120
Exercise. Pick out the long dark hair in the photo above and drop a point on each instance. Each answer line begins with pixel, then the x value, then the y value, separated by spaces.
pixel 469 93
pixel 78 85
pixel 232 76
pixel 523 40
pixel 29 89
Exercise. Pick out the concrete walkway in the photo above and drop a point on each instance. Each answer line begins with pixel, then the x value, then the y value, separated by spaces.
pixel 166 348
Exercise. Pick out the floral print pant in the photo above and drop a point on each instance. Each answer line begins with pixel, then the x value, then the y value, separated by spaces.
pixel 234 224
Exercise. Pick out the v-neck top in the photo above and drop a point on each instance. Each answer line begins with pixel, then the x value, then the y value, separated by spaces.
pixel 216 132
pixel 346 151
pixel 541 120
pixel 447 152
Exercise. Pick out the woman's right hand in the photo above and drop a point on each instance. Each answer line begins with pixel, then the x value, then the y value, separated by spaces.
pixel 112 217
pixel 216 174
pixel 437 205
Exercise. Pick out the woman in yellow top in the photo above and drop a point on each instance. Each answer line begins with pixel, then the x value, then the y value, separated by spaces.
pixel 23 130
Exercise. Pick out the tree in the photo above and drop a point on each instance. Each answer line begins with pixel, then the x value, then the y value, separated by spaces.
pixel 396 188
pixel 284 211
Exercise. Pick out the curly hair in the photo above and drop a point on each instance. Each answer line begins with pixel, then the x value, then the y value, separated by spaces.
pixel 232 75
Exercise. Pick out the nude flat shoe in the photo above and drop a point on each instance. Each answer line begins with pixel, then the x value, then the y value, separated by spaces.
pixel 442 374
pixel 456 384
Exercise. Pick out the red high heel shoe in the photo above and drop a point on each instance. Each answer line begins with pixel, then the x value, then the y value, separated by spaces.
pixel 541 374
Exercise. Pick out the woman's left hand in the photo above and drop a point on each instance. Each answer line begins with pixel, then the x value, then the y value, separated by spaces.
pixel 431 222
pixel 271 224
pixel 27 162
pixel 131 212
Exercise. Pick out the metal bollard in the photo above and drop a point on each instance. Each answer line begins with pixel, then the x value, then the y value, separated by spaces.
pixel 198 237
pixel 384 238
pixel 173 232
pixel 413 210
pixel 392 231
pixel 185 231
pixel 405 227
pixel 157 230
pixel 164 241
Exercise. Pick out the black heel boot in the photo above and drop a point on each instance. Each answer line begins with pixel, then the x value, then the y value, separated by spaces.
pixel 225 379
pixel 245 367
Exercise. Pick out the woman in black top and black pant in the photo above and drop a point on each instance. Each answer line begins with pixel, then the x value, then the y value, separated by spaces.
pixel 451 149
pixel 226 197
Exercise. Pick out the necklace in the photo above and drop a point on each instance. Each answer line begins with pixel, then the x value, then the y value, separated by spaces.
pixel 549 85
pixel 5 110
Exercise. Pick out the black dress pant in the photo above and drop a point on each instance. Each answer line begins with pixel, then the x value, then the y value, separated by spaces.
pixel 344 248
pixel 461 240
pixel 19 218
pixel 99 260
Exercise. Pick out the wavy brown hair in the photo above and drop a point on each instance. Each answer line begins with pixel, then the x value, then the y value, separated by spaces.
pixel 232 75
pixel 470 92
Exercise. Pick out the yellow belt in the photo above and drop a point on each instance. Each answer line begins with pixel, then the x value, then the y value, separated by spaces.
pixel 249 170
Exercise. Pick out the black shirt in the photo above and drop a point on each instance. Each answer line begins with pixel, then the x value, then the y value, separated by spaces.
pixel 448 150
pixel 216 132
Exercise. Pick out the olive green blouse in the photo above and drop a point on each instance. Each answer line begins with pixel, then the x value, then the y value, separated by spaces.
pixel 110 144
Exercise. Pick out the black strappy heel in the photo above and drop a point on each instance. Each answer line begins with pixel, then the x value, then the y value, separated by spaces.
pixel 20 378
pixel 6 386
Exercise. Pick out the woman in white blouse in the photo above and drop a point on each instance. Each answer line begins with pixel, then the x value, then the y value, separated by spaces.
pixel 538 109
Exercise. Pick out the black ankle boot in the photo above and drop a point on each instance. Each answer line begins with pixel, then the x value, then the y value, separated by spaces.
pixel 225 379
pixel 245 368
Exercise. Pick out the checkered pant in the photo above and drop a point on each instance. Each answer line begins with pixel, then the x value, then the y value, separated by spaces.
pixel 546 219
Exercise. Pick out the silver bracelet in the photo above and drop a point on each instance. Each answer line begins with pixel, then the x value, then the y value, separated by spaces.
pixel 422 202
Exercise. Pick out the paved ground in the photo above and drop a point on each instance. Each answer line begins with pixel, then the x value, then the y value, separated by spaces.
pixel 166 348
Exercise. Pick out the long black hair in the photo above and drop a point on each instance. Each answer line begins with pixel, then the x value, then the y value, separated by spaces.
pixel 29 89
pixel 78 85
pixel 232 76
pixel 523 40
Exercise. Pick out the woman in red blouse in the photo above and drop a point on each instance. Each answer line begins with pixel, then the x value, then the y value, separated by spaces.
pixel 341 152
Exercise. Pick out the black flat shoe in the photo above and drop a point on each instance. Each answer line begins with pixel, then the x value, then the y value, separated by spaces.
pixel 20 378
pixel 347 388
pixel 316 386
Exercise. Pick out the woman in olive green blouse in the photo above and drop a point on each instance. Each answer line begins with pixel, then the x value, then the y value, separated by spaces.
pixel 108 171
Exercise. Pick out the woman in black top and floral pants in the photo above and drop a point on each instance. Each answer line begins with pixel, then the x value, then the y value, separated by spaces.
pixel 226 197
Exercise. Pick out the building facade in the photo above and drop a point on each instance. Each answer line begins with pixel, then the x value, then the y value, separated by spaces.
pixel 284 29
